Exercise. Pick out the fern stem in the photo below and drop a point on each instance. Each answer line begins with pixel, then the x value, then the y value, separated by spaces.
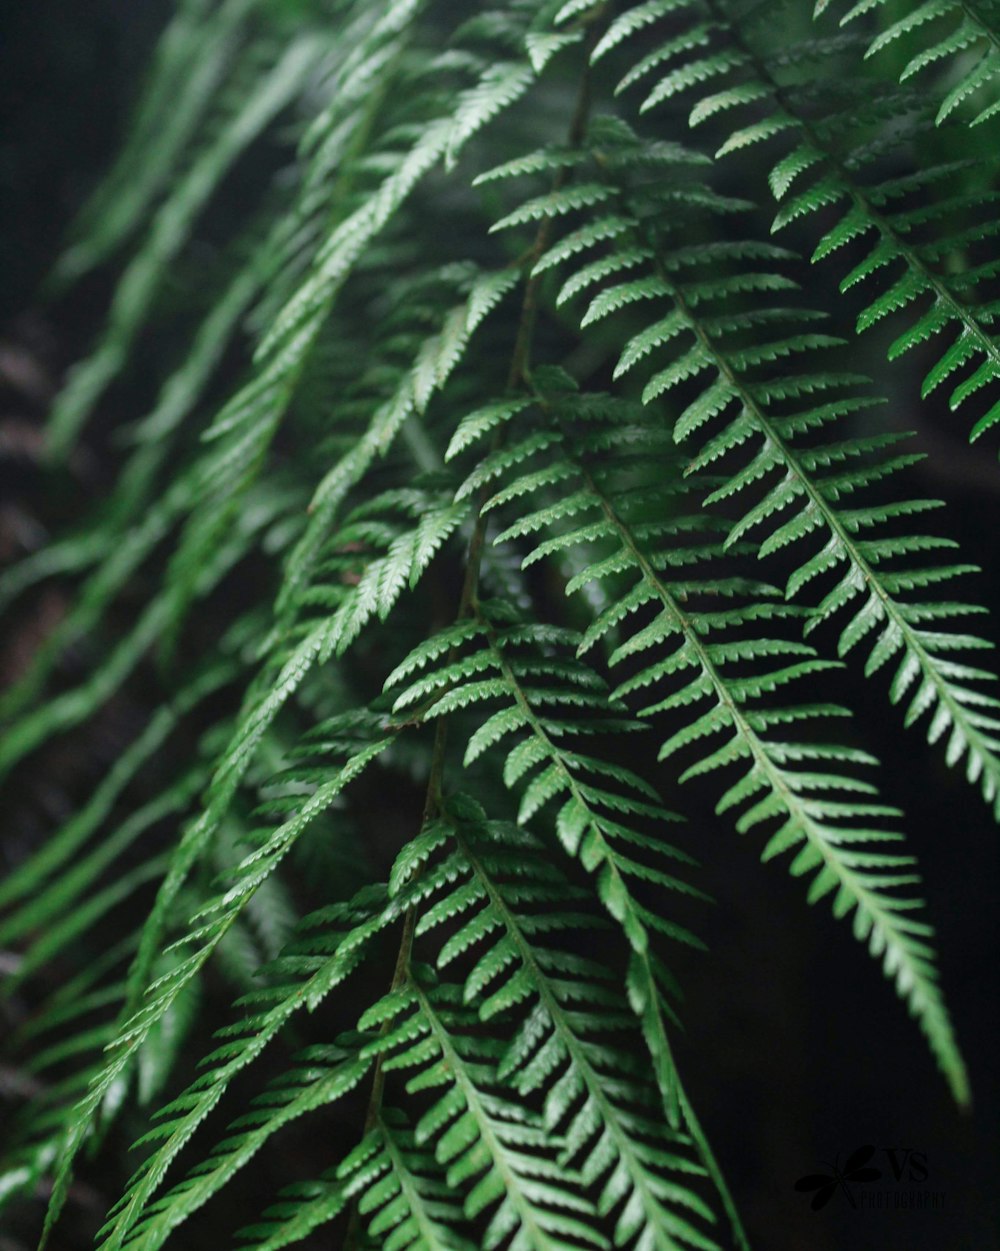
pixel 711 1165
pixel 556 756
pixel 520 364
pixel 973 14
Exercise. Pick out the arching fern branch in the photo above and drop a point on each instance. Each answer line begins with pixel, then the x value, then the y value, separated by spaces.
pixel 805 498
pixel 921 240
pixel 328 948
pixel 270 91
pixel 604 503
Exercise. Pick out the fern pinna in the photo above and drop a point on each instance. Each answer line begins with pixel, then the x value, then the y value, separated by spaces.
pixel 552 492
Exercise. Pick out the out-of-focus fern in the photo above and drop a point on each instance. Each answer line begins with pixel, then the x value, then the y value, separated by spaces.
pixel 495 433
pixel 938 30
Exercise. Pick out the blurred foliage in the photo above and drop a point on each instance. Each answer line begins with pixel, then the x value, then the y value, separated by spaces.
pixel 473 444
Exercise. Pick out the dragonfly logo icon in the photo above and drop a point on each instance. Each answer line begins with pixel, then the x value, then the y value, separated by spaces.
pixel 825 1185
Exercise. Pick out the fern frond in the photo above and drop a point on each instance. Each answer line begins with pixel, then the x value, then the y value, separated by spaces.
pixel 325 1075
pixel 472 425
pixel 300 1210
pixel 174 103
pixel 213 923
pixel 713 346
pixel 826 168
pixel 544 698
pixel 270 93
pixel 966 34
pixel 499 880
pixel 827 814
pixel 493 1149
pixel 313 966
pixel 404 1194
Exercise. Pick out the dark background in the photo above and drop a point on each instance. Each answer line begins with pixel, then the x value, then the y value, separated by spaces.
pixel 798 1051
